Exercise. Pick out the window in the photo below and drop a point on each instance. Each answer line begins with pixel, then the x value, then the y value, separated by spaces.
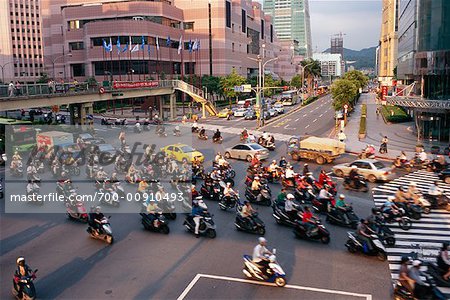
pixel 228 14
pixel 77 70
pixel 75 24
pixel 76 46
pixel 232 47
pixel 262 29
pixel 232 28
pixel 188 26
pixel 244 21
pixel 271 33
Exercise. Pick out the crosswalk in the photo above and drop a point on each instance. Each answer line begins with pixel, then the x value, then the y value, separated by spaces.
pixel 427 234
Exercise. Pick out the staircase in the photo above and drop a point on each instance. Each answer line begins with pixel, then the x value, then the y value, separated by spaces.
pixel 196 94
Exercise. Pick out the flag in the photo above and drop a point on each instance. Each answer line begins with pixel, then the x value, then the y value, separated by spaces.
pixel 195 45
pixel 180 46
pixel 105 45
pixel 119 49
pixel 125 48
pixel 168 41
pixel 110 45
pixel 148 49
pixel 135 48
pixel 190 46
pixel 142 42
pixel 157 43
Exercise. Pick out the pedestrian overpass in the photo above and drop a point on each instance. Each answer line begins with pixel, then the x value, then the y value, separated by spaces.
pixel 83 96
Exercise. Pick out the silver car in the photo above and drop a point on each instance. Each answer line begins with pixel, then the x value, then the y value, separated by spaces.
pixel 373 170
pixel 247 152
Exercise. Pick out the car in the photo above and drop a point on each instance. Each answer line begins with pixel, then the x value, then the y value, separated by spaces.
pixel 250 115
pixel 373 170
pixel 224 113
pixel 240 112
pixel 339 115
pixel 279 107
pixel 445 175
pixel 183 152
pixel 87 138
pixel 272 112
pixel 247 152
pixel 266 115
pixel 107 150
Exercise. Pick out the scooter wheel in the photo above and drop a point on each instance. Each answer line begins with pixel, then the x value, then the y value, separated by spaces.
pixel 261 231
pixel 390 241
pixel 211 233
pixel 325 239
pixel 426 210
pixel 280 281
pixel 382 256
pixel 405 224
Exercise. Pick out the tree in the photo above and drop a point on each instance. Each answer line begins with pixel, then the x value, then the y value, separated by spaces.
pixel 344 92
pixel 359 79
pixel 228 83
pixel 269 82
pixel 212 83
pixel 311 70
pixel 296 81
pixel 44 78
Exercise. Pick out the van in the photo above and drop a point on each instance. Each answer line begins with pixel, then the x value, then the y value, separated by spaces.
pixel 138 18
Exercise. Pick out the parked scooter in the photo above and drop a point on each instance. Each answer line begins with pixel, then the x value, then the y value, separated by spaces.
pixel 354 245
pixel 253 270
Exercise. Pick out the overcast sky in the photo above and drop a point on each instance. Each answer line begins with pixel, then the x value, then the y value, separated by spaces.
pixel 360 20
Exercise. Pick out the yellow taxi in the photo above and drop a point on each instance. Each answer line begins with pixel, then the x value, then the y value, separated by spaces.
pixel 183 152
pixel 224 113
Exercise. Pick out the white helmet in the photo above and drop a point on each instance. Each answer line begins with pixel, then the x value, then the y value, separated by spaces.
pixel 20 259
pixel 262 240
pixel 354 167
pixel 341 196
pixel 290 196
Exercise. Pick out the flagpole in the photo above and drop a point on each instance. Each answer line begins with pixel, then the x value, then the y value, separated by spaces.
pixel 200 64
pixel 142 68
pixel 130 76
pixel 120 68
pixel 149 58
pixel 171 62
pixel 182 74
pixel 104 63
pixel 157 58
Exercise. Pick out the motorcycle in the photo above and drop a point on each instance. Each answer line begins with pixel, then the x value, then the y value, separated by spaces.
pixel 265 198
pixel 411 210
pixel 253 270
pixel 28 289
pixel 354 245
pixel 176 133
pixel 137 128
pixel 266 144
pixel 403 221
pixel 168 209
pixel 424 204
pixel 203 137
pixel 322 206
pixel 207 226
pixel 365 155
pixel 350 184
pixel 281 217
pixel 385 234
pixel 321 233
pixel 161 223
pixel 106 232
pixel 403 293
pixel 225 204
pixel 77 212
pixel 347 218
pixel 440 201
pixel 211 190
pixel 256 226
pixel 195 129
pixel 402 164
pixel 436 272
pixel 109 197
pixel 17 171
pixel 60 119
pixel 305 194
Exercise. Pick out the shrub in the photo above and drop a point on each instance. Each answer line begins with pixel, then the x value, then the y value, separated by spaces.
pixel 310 100
pixel 364 110
pixel 395 114
pixel 362 125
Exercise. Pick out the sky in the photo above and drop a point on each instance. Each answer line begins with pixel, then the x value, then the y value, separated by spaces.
pixel 359 20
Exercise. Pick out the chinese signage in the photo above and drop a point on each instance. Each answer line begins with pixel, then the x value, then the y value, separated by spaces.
pixel 135 85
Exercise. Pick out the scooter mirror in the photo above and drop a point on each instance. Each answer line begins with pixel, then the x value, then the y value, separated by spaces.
pixel 274 251
pixel 109 217
pixel 35 270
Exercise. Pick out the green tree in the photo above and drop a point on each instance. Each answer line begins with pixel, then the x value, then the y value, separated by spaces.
pixel 212 83
pixel 270 82
pixel 344 92
pixel 359 79
pixel 296 81
pixel 311 70
pixel 228 83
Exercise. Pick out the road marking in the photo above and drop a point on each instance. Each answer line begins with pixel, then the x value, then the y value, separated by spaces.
pixel 286 127
pixel 306 126
pixel 304 115
pixel 321 116
pixel 296 120
pixel 315 120
pixel 288 286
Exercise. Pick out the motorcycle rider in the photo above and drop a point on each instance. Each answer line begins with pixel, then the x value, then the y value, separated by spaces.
pixel 436 193
pixel 290 175
pixel 142 187
pixel 95 219
pixel 354 177
pixel 177 130
pixel 228 193
pixel 403 275
pixel 291 211
pixel 160 129
pixel 389 207
pixel 413 193
pixel 256 188
pixel 202 133
pixel 152 212
pixel 122 137
pixel 307 221
pixel 23 270
pixel 305 170
pixel 197 214
pixel 259 255
pixel 283 162
pixel 255 163
pixel 251 138
pixel 421 156
pixel 247 212
pixel 341 208
pixel 194 127
pixel 325 197
pixel 443 260
pixel 101 174
pixel 217 135
pixel 194 192
pixel 244 134
pixel 281 198
pixel 323 178
pixel 137 127
pixel 421 288
pixel 272 169
pixel 363 231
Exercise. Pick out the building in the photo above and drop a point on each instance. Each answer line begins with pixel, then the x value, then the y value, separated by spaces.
pixel 21 52
pixel 388 42
pixel 407 41
pixel 331 64
pixel 291 20
pixel 217 36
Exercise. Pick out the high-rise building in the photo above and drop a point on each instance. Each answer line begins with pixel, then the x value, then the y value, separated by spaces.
pixel 21 53
pixel 330 63
pixel 388 42
pixel 407 40
pixel 291 20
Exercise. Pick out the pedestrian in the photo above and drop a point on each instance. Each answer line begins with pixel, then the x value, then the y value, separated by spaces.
pixel 18 90
pixel 184 119
pixel 378 112
pixel 11 89
pixel 122 137
pixel 341 136
pixel 383 146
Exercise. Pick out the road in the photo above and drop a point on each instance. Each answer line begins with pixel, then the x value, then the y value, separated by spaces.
pixel 144 265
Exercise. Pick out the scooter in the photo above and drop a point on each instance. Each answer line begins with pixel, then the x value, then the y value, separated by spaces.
pixel 320 233
pixel 399 164
pixel 225 204
pixel 137 128
pixel 253 270
pixel 265 198
pixel 218 140
pixel 77 212
pixel 411 210
pixel 305 195
pixel 17 171
pixel 176 133
pixel 157 225
pixel 109 197
pixel 425 205
pixel 211 191
pixel 354 245
pixel 203 137
pixel 403 221
pixel 207 226
pixel 351 220
pixel 403 293
pixel 106 234
pixel 257 227
pixel 350 185
pixel 168 208
pixel 28 289
pixel 322 206
pixel 282 218
pixel 385 234
pixel 436 272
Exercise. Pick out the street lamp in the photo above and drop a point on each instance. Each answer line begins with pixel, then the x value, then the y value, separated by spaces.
pixel 3 67
pixel 55 59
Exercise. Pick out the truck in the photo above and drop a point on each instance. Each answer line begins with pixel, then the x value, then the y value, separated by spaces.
pixel 320 150
pixel 54 138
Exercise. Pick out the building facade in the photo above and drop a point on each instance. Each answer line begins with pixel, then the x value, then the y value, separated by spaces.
pixel 388 42
pixel 21 51
pixel 331 64
pixel 291 20
pixel 407 40
pixel 216 36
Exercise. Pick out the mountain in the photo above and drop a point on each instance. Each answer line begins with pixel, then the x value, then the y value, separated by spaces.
pixel 364 58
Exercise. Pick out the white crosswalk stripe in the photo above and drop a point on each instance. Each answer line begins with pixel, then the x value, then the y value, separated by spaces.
pixel 427 234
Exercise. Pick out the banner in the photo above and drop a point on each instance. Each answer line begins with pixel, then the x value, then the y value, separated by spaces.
pixel 135 85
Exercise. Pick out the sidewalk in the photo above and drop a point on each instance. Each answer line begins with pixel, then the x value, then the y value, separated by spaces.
pixel 401 136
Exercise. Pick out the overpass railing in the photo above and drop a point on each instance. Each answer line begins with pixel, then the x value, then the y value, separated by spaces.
pixel 43 89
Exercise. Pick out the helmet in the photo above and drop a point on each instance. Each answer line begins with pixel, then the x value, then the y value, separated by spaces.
pixel 246 202
pixel 192 186
pixel 341 196
pixel 274 161
pixel 305 165
pixel 228 183
pixel 256 178
pixel 416 263
pixel 290 196
pixel 262 240
pixel 20 260
pixel 413 184
pixel 404 259
pixel 98 209
pixel 391 198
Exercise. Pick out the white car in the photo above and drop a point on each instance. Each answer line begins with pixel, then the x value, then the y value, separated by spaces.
pixel 279 108
pixel 372 170
pixel 240 112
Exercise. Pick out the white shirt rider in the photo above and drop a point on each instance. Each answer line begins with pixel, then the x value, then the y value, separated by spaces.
pixel 423 156
pixel 258 253
pixel 290 173
pixel 324 194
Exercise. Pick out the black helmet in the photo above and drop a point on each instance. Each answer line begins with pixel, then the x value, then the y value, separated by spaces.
pixel 375 210
pixel 404 259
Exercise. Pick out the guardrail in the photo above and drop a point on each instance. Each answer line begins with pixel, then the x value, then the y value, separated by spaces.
pixel 41 89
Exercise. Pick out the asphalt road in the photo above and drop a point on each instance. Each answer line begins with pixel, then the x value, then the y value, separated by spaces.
pixel 145 265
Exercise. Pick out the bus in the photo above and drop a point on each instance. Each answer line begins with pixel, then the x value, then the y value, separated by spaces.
pixel 289 97
pixel 322 89
pixel 18 134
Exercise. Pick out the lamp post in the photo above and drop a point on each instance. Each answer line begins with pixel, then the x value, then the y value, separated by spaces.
pixel 54 61
pixel 210 38
pixel 3 67
pixel 303 76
